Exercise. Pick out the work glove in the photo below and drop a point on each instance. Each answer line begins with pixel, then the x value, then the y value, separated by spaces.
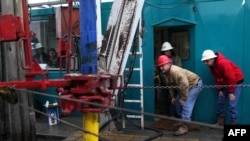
pixel 221 94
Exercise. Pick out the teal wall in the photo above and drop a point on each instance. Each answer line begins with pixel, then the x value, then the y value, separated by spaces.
pixel 105 11
pixel 220 29
pixel 38 14
pixel 245 97
pixel 219 25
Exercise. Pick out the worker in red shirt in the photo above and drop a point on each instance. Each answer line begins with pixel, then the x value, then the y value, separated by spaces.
pixel 230 75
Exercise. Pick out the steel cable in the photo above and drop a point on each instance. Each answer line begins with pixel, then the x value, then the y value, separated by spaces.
pixel 122 109
pixel 63 121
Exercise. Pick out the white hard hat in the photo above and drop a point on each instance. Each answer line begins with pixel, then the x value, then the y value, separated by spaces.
pixel 32 45
pixel 38 45
pixel 208 54
pixel 166 46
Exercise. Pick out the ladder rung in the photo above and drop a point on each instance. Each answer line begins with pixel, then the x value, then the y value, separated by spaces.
pixel 135 101
pixel 138 53
pixel 133 116
pixel 134 85
pixel 136 69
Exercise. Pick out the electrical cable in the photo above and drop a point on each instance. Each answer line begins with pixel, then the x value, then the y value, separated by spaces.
pixel 77 50
pixel 101 138
pixel 122 93
pixel 159 133
pixel 121 109
pixel 115 118
pixel 63 121
pixel 129 75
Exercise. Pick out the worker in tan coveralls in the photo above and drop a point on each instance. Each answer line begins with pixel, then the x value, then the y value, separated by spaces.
pixel 186 84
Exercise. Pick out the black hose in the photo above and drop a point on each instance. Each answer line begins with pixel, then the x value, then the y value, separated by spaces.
pixel 159 132
pixel 121 97
pixel 115 118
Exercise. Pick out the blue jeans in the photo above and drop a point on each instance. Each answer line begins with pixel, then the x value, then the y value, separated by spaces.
pixel 233 105
pixel 185 110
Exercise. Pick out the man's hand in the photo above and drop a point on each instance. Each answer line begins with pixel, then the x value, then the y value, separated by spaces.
pixel 221 94
pixel 181 102
pixel 173 101
pixel 231 97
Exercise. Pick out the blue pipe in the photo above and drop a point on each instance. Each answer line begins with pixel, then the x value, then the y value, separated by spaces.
pixel 88 37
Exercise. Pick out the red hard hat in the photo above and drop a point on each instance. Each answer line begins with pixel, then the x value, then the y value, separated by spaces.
pixel 163 59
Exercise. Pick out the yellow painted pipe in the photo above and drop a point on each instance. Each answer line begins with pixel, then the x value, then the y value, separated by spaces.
pixel 91 124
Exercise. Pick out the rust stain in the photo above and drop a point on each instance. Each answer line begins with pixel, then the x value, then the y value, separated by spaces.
pixel 115 42
pixel 105 40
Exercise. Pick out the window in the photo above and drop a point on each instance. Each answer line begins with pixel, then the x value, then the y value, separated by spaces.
pixel 181 43
pixel 49 25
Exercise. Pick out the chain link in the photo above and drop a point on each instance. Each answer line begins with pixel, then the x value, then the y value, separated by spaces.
pixel 175 87
pixel 110 107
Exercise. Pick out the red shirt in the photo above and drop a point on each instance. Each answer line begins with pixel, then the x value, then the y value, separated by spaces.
pixel 226 72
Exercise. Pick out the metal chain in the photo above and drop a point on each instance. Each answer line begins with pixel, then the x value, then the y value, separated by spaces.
pixel 121 109
pixel 175 87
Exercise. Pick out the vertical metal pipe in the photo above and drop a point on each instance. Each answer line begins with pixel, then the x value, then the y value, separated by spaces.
pixel 69 54
pixel 88 36
pixel 89 59
pixel 27 42
pixel 91 124
pixel 7 7
pixel 19 121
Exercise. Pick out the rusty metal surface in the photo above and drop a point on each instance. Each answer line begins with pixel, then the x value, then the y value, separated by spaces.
pixel 121 28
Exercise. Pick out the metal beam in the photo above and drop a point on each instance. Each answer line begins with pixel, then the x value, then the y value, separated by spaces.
pixel 39 4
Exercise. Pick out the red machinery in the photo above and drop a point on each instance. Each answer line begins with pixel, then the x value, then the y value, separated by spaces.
pixel 97 88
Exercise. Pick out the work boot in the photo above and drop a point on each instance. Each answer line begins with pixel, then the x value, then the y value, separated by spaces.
pixel 220 121
pixel 183 129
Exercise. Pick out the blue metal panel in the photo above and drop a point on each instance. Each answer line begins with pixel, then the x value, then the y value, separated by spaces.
pixel 39 14
pixel 148 66
pixel 88 37
pixel 165 12
pixel 222 30
pixel 221 26
pixel 244 112
pixel 105 11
